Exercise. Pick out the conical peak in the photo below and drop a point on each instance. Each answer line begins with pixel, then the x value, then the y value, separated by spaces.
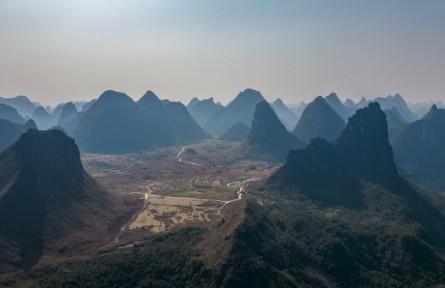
pixel 248 95
pixel 69 108
pixel 367 124
pixel 150 98
pixel 111 95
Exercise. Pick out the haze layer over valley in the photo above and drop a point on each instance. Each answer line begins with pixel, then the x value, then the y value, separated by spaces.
pixel 222 144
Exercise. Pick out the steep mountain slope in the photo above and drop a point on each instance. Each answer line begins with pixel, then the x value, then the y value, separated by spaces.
pixel 68 118
pixel 202 110
pixel 361 152
pixel 399 103
pixel 10 131
pixel 298 109
pixel 192 103
pixel 43 119
pixel 419 149
pixel 301 228
pixel 241 109
pixel 185 128
pixel 286 116
pixel 360 104
pixel 394 120
pixel 48 203
pixel 343 111
pixel 11 114
pixel 268 136
pixel 319 120
pixel 88 105
pixel 21 103
pixel 111 125
pixel 155 121
pixel 238 132
pixel 57 111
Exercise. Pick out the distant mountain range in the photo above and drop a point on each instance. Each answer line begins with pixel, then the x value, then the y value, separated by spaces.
pixel 343 111
pixel 155 121
pixel 319 119
pixel 399 104
pixel 241 109
pixel 202 110
pixel 10 131
pixel 21 103
pixel 43 118
pixel 237 132
pixel 184 126
pixel 285 114
pixel 117 124
pixel 10 113
pixel 394 120
pixel 419 149
pixel 68 118
pixel 268 137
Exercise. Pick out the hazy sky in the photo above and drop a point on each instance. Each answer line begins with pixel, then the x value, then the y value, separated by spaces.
pixel 53 51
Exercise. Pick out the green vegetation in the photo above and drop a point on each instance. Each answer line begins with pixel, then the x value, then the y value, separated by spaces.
pixel 163 261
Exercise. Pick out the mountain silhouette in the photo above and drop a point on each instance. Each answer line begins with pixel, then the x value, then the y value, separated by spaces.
pixel 268 136
pixel 394 120
pixel 112 125
pixel 69 118
pixel 10 131
pixel 419 149
pixel 240 109
pixel 47 198
pixel 202 110
pixel 10 113
pixel 238 132
pixel 57 111
pixel 192 103
pixel 319 120
pixel 21 103
pixel 155 121
pixel 286 116
pixel 43 119
pixel 184 126
pixel 343 111
pixel 399 103
pixel 360 104
pixel 331 172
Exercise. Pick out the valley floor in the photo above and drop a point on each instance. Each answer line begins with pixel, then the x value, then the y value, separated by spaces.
pixel 179 186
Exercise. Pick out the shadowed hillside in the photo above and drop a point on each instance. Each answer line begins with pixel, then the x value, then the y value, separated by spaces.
pixel 319 120
pixel 419 149
pixel 47 201
pixel 10 131
pixel 241 109
pixel 268 137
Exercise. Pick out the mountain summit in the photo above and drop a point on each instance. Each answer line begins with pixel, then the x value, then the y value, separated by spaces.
pixel 155 122
pixel 47 198
pixel 331 172
pixel 319 119
pixel 343 111
pixel 419 149
pixel 268 135
pixel 111 125
pixel 241 109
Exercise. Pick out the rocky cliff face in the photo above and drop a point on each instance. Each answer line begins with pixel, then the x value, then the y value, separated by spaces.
pixel 46 196
pixel 331 172
pixel 269 135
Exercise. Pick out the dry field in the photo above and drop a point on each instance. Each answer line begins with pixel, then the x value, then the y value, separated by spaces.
pixel 174 192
